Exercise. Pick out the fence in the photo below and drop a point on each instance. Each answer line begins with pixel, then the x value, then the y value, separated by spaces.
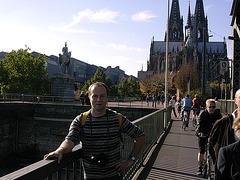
pixel 227 106
pixel 153 126
pixel 112 101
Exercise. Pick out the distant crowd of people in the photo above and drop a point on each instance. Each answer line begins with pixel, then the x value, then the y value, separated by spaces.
pixel 155 98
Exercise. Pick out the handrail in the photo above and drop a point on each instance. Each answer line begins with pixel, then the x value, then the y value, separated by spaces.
pixel 116 101
pixel 153 126
pixel 41 98
pixel 45 168
pixel 227 106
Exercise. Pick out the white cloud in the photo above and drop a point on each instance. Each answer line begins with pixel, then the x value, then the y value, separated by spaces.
pixel 207 8
pixel 101 16
pixel 94 44
pixel 143 16
pixel 125 47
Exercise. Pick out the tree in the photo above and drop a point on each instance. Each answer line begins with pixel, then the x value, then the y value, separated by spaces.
pixel 123 87
pixel 99 76
pixel 22 72
pixel 187 72
pixel 133 87
pixel 147 85
pixel 130 87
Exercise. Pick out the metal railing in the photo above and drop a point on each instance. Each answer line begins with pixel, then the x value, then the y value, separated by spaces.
pixel 112 101
pixel 24 98
pixel 153 126
pixel 227 106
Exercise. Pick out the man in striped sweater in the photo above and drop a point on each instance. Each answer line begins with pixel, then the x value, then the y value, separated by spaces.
pixel 100 137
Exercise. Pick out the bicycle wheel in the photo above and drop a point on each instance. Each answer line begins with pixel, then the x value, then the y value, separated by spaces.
pixel 205 170
pixel 194 120
pixel 210 171
pixel 184 124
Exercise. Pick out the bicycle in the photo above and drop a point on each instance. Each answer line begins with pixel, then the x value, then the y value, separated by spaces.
pixel 185 120
pixel 195 115
pixel 208 171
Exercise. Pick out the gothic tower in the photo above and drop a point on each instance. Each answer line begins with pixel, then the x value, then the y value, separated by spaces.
pixel 175 23
pixel 188 29
pixel 200 22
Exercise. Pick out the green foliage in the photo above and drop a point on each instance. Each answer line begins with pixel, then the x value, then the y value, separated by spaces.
pixel 126 87
pixel 21 72
pixel 99 76
pixel 113 91
pixel 130 87
pixel 123 87
pixel 86 86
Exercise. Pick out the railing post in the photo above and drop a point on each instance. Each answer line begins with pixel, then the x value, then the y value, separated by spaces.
pixel 165 118
pixel 22 98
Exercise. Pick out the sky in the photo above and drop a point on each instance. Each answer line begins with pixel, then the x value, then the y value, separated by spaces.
pixel 101 32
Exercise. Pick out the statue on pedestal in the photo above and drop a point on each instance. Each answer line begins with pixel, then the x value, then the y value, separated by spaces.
pixel 64 59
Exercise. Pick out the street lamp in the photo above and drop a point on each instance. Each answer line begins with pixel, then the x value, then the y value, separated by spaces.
pixel 188 78
pixel 166 66
pixel 223 62
pixel 204 63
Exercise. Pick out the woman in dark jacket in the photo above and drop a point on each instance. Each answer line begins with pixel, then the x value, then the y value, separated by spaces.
pixel 228 164
pixel 205 123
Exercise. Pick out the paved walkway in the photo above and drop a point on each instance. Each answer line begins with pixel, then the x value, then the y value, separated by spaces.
pixel 175 157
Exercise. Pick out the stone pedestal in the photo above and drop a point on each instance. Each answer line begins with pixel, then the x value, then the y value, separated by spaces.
pixel 62 85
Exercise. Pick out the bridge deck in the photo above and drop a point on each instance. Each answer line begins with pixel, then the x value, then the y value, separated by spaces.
pixel 175 157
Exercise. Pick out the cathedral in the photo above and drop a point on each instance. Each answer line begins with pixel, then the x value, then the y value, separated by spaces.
pixel 188 48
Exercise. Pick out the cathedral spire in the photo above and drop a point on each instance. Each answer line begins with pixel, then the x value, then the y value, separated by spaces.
pixel 189 21
pixel 189 28
pixel 199 9
pixel 175 23
pixel 201 21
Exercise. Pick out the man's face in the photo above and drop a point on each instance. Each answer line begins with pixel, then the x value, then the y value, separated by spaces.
pixel 237 99
pixel 211 108
pixel 98 99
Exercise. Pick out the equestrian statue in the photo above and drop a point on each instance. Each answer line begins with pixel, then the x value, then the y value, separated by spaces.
pixel 64 60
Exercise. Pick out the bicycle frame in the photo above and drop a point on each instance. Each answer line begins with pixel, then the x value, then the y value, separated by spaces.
pixel 185 120
pixel 208 171
pixel 195 114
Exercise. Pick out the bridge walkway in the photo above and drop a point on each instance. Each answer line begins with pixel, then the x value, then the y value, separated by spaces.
pixel 175 157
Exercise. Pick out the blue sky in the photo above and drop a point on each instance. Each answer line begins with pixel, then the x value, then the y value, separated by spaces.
pixel 101 32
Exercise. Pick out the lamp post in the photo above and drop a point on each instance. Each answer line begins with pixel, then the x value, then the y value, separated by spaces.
pixel 188 78
pixel 224 71
pixel 224 74
pixel 166 66
pixel 203 65
pixel 205 35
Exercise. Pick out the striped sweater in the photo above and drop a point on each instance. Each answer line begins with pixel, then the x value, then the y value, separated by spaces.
pixel 101 135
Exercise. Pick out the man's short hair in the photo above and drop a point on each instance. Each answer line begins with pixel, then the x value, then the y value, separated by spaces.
pixel 237 92
pixel 210 101
pixel 187 95
pixel 98 84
